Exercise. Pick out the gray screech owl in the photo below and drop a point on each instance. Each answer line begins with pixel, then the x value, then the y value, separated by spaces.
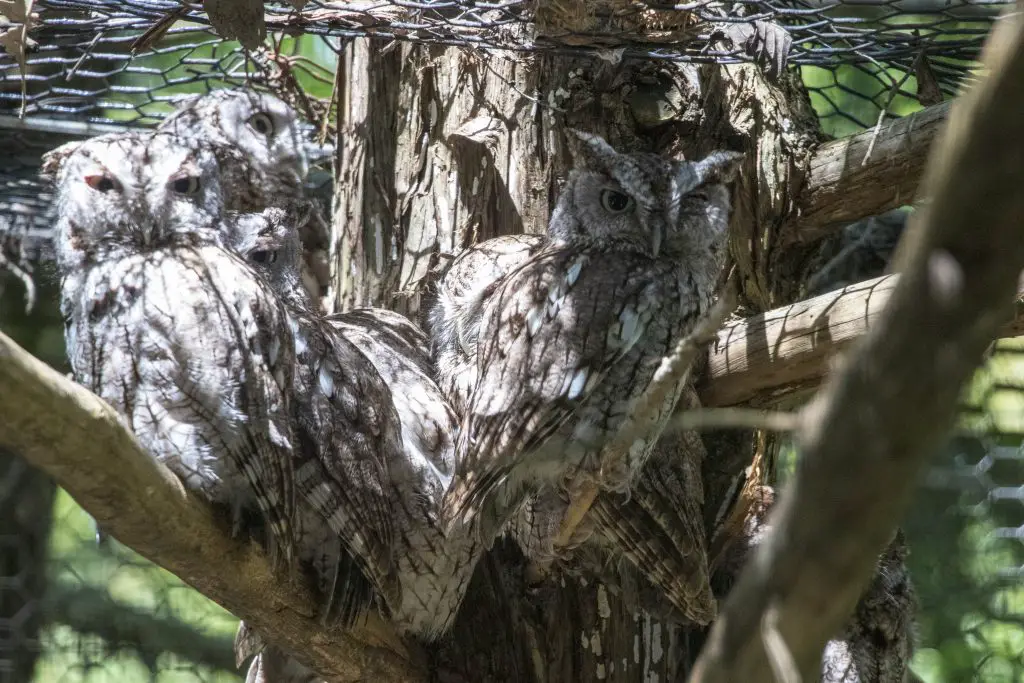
pixel 262 152
pixel 177 333
pixel 264 156
pixel 346 427
pixel 658 527
pixel 572 337
pixel 432 570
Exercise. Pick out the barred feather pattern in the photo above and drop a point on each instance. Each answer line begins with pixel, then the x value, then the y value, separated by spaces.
pixel 568 336
pixel 431 571
pixel 258 140
pixel 181 336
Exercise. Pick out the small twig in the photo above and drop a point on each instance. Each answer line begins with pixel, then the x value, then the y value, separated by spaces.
pixel 672 372
pixel 780 658
pixel 734 418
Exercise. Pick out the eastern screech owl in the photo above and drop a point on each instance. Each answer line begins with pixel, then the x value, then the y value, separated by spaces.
pixel 568 340
pixel 432 570
pixel 658 527
pixel 264 155
pixel 180 335
pixel 258 140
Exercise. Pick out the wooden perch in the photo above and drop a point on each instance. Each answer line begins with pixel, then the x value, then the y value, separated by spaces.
pixel 869 434
pixel 844 183
pixel 787 351
pixel 80 441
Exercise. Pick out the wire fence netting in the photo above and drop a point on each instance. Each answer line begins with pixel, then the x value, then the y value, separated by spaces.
pixel 73 611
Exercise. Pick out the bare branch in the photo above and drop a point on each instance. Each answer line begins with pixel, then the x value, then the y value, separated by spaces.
pixel 784 354
pixel 844 183
pixel 868 435
pixel 733 418
pixel 80 441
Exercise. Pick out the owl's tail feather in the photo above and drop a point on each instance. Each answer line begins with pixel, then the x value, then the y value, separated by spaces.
pixel 662 547
pixel 368 569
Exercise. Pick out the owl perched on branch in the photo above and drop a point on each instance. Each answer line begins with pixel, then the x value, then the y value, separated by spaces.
pixel 657 528
pixel 177 333
pixel 343 416
pixel 432 571
pixel 570 338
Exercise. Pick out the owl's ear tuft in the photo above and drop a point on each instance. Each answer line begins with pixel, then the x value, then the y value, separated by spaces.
pixel 590 150
pixel 54 160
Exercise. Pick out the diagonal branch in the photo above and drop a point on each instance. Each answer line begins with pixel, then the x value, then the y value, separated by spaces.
pixel 868 435
pixel 80 441
pixel 780 356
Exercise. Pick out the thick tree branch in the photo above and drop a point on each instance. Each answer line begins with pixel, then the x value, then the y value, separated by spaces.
pixel 871 431
pixel 79 440
pixel 845 183
pixel 784 353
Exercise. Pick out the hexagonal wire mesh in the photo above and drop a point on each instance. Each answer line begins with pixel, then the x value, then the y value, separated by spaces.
pixel 103 614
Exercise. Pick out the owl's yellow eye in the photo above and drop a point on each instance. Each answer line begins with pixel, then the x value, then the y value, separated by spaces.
pixel 264 257
pixel 186 185
pixel 262 124
pixel 101 183
pixel 616 202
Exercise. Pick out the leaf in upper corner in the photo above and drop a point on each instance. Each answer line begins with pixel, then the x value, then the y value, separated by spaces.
pixel 15 40
pixel 238 19
pixel 928 90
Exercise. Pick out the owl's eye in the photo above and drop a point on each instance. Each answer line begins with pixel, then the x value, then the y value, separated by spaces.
pixel 101 183
pixel 616 202
pixel 262 124
pixel 264 257
pixel 186 184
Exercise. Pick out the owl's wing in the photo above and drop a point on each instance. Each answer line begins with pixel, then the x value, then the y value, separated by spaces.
pixel 548 338
pixel 392 330
pixel 259 324
pixel 349 436
pixel 659 527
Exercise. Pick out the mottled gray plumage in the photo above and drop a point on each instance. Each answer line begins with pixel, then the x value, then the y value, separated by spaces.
pixel 432 571
pixel 264 157
pixel 458 307
pixel 877 641
pixel 568 340
pixel 260 146
pixel 657 528
pixel 346 427
pixel 177 333
pixel 877 644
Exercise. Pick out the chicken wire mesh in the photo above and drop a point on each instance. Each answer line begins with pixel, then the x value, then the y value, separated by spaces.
pixel 77 612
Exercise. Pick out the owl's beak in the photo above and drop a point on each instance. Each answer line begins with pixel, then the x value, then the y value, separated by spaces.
pixel 657 237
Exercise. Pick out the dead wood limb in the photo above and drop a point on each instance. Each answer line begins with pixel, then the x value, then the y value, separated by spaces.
pixel 869 433
pixel 844 183
pixel 79 440
pixel 785 353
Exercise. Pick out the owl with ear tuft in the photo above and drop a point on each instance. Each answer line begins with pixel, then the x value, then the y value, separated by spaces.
pixel 569 339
